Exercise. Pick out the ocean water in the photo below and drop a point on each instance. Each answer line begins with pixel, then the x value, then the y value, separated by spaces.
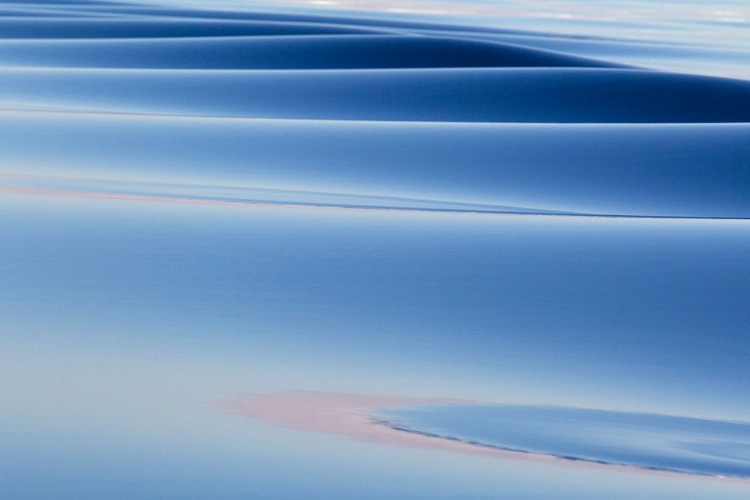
pixel 643 440
pixel 395 249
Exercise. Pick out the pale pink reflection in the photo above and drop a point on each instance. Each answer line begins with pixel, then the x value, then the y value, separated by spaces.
pixel 351 415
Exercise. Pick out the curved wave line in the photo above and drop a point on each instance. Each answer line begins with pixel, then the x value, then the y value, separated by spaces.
pixel 444 207
pixel 565 457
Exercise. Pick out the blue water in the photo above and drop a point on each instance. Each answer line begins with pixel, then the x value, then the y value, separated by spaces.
pixel 534 207
pixel 661 442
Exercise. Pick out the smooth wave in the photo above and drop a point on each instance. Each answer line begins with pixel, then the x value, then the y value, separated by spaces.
pixel 77 28
pixel 656 170
pixel 567 95
pixel 190 62
pixel 341 51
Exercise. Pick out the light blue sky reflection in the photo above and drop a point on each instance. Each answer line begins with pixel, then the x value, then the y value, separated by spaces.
pixel 537 299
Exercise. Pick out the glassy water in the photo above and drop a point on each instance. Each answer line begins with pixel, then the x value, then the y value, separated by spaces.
pixel 649 441
pixel 235 235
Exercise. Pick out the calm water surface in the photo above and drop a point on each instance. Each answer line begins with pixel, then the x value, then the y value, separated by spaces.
pixel 541 211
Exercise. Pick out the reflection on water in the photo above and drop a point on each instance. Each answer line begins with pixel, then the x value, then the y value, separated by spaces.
pixel 201 204
pixel 644 440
